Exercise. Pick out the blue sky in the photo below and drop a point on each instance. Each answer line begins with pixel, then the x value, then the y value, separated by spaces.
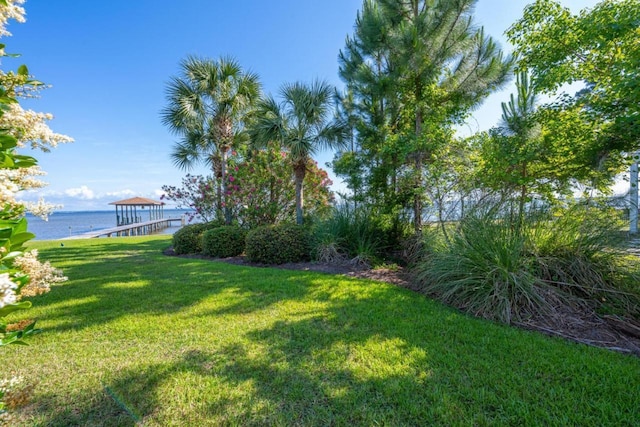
pixel 109 62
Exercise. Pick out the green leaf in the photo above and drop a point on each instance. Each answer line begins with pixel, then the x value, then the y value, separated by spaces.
pixel 5 234
pixel 7 141
pixel 23 70
pixel 25 163
pixel 21 226
pixel 20 238
pixel 12 255
pixel 6 161
pixel 34 82
pixel 8 309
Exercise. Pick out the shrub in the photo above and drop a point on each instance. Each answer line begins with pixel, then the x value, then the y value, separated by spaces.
pixel 510 272
pixel 223 242
pixel 188 240
pixel 484 271
pixel 582 253
pixel 351 234
pixel 278 244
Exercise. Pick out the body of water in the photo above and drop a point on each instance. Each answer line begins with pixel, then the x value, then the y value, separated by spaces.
pixel 66 224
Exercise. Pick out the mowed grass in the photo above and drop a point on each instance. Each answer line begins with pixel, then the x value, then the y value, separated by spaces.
pixel 138 338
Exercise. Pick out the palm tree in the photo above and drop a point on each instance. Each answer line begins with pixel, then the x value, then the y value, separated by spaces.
pixel 207 106
pixel 302 126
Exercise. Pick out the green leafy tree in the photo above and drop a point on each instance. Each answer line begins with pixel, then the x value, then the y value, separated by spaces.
pixel 599 47
pixel 514 151
pixel 300 124
pixel 372 107
pixel 427 64
pixel 543 151
pixel 207 107
pixel 261 191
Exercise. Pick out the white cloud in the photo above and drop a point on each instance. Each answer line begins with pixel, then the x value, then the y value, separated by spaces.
pixel 121 193
pixel 87 198
pixel 83 192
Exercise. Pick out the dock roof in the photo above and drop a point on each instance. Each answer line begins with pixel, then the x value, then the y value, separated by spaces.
pixel 137 201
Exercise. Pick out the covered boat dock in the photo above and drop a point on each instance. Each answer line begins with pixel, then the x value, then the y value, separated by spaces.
pixel 127 210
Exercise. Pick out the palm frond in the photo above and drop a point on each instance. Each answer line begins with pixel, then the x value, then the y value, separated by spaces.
pixel 208 103
pixel 184 155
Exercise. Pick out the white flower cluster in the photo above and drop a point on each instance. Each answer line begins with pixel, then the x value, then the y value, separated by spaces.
pixel 41 208
pixel 8 188
pixel 14 393
pixel 7 290
pixel 41 275
pixel 12 10
pixel 31 128
pixel 21 178
pixel 14 180
pixel 10 384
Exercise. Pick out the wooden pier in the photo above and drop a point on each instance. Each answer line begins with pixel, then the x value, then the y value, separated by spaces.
pixel 136 229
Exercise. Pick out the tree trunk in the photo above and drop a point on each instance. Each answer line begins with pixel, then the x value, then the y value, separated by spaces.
pixel 300 172
pixel 523 198
pixel 633 196
pixel 217 174
pixel 417 198
pixel 224 151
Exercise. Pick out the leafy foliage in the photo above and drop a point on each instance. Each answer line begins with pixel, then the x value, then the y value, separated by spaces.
pixel 497 269
pixel 188 240
pixel 300 124
pixel 197 193
pixel 13 230
pixel 279 244
pixel 21 274
pixel 207 106
pixel 261 191
pixel 355 235
pixel 599 47
pixel 413 70
pixel 224 242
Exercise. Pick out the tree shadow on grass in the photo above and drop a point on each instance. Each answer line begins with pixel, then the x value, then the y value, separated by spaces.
pixel 331 351
pixel 138 279
pixel 356 361
pixel 102 410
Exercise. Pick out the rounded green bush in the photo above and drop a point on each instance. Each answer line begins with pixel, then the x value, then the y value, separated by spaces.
pixel 188 240
pixel 278 244
pixel 223 242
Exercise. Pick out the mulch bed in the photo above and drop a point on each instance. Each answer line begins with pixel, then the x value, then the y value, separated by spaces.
pixel 577 323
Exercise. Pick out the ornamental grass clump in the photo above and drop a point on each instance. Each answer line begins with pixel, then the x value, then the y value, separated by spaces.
pixel 350 234
pixel 582 254
pixel 485 271
pixel 512 272
pixel 278 244
pixel 223 242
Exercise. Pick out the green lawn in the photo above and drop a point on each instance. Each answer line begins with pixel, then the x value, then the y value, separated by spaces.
pixel 138 337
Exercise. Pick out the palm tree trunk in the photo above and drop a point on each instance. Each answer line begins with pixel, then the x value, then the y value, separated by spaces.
pixel 224 151
pixel 215 169
pixel 300 172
